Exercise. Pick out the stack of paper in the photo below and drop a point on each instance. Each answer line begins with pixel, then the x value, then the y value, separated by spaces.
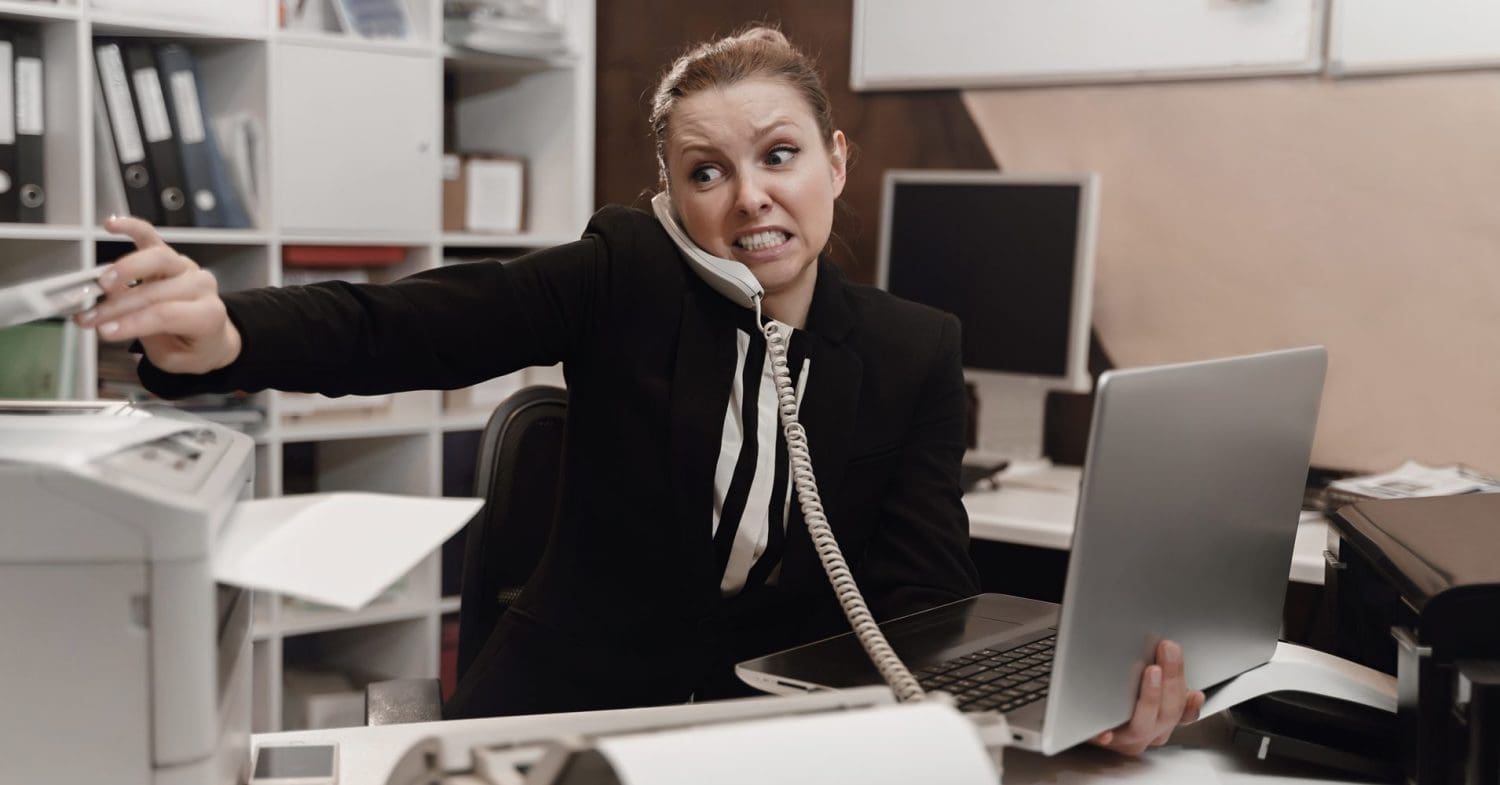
pixel 505 27
pixel 1409 480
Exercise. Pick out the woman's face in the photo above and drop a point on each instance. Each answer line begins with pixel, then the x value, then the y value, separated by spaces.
pixel 753 180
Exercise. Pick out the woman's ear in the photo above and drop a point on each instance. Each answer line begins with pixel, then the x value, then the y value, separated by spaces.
pixel 838 158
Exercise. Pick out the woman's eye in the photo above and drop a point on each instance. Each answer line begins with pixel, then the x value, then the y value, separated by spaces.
pixel 781 155
pixel 706 174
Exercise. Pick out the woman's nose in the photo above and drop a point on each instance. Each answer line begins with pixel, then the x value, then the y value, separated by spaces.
pixel 752 199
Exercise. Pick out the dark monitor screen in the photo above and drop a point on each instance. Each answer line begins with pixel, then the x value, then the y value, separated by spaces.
pixel 1001 256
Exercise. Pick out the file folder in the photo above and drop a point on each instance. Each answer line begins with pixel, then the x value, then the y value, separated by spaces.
pixel 8 181
pixel 211 198
pixel 156 127
pixel 109 188
pixel 31 192
pixel 130 150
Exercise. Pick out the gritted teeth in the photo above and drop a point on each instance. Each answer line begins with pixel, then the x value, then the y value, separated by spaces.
pixel 759 240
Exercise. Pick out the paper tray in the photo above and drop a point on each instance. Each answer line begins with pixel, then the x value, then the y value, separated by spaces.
pixel 340 549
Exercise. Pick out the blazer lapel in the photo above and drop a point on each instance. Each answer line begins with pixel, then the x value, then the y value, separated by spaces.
pixel 700 393
pixel 828 412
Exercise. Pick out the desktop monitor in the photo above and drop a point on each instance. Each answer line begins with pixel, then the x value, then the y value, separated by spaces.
pixel 1012 256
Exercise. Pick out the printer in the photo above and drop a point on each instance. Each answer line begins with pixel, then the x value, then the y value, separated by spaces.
pixel 121 659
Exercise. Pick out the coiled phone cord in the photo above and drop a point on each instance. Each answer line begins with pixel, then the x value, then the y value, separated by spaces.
pixel 895 673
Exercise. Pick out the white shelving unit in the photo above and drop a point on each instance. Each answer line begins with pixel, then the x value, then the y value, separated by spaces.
pixel 354 133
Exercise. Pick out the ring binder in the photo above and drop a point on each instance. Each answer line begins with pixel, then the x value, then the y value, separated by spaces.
pixel 130 151
pixel 31 193
pixel 161 148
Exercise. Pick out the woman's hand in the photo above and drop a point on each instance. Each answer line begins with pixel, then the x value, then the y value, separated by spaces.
pixel 1163 704
pixel 165 300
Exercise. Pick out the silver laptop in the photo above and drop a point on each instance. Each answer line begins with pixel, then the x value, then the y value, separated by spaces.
pixel 1186 519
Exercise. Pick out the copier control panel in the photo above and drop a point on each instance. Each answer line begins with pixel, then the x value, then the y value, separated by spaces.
pixel 179 461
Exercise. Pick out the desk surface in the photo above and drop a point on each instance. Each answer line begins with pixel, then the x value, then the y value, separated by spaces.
pixel 1036 505
pixel 1200 754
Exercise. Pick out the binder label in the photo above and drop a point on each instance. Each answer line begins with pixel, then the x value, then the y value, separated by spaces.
pixel 7 96
pixel 189 114
pixel 121 114
pixel 153 106
pixel 29 116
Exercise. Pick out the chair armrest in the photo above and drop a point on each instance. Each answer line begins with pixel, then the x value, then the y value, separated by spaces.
pixel 400 701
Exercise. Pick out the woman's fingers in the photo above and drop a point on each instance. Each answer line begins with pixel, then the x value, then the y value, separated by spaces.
pixel 1194 708
pixel 167 325
pixel 187 286
pixel 1135 735
pixel 148 264
pixel 1173 691
pixel 142 233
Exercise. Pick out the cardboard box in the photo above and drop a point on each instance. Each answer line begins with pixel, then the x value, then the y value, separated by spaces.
pixel 484 194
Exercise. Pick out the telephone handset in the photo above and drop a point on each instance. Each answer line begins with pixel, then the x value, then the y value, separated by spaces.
pixel 736 282
pixel 726 276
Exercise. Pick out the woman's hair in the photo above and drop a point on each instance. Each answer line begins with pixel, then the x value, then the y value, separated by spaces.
pixel 753 53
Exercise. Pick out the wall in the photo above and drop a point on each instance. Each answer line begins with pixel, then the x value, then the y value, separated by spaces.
pixel 1253 214
pixel 637 40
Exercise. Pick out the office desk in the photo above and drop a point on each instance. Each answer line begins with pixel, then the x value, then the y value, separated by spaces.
pixel 1036 503
pixel 1199 754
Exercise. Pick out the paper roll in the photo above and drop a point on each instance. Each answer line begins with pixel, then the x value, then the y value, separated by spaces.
pixel 887 745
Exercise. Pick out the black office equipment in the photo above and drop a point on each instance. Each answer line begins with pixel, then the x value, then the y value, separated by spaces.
pixel 130 150
pixel 156 128
pixel 1414 587
pixel 1339 735
pixel 30 114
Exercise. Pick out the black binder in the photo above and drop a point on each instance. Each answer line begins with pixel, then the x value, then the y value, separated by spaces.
pixel 130 149
pixel 9 205
pixel 156 129
pixel 31 124
pixel 1415 590
pixel 211 196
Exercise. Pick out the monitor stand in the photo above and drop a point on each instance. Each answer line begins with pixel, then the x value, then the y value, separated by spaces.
pixel 1011 416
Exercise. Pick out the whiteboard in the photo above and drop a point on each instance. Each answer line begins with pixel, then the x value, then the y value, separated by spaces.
pixel 915 44
pixel 1383 36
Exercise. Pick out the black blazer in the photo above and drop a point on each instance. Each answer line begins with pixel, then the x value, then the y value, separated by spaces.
pixel 624 608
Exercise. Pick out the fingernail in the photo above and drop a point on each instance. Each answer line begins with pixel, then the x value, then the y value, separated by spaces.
pixel 1153 674
pixel 110 328
pixel 1171 652
pixel 108 278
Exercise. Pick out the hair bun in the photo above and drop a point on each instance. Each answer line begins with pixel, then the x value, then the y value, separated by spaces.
pixel 769 35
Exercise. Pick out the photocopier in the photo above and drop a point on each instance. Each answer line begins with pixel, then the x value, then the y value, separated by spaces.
pixel 121 659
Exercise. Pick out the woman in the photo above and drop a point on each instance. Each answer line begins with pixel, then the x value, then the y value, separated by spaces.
pixel 677 550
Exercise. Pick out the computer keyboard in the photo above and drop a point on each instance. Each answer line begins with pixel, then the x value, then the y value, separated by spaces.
pixel 994 680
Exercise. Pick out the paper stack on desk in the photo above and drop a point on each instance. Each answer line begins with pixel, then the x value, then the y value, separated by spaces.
pixel 1411 479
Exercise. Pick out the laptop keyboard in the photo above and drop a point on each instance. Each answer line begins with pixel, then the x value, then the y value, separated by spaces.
pixel 994 680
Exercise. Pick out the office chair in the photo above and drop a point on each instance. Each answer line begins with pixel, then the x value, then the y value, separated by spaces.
pixel 520 464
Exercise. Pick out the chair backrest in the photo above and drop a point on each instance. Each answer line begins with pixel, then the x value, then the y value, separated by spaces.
pixel 519 467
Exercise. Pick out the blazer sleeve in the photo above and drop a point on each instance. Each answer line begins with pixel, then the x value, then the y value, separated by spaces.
pixel 918 557
pixel 439 329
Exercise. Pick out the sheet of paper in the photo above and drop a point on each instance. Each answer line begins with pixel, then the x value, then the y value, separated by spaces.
pixel 1296 668
pixel 340 549
pixel 890 745
pixel 1087 765
pixel 78 438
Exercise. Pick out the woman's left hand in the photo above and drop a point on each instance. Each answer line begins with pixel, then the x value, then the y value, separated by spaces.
pixel 1163 704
